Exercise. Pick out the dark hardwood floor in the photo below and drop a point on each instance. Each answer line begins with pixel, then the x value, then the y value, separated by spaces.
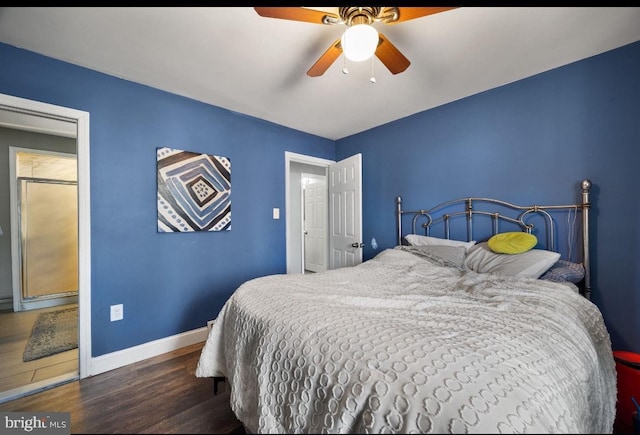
pixel 159 395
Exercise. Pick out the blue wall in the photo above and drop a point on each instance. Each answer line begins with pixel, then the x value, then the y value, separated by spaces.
pixel 528 142
pixel 168 282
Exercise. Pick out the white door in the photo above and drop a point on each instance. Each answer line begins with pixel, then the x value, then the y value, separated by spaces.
pixel 315 225
pixel 345 212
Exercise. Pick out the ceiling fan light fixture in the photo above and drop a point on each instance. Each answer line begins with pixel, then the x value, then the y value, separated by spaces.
pixel 359 42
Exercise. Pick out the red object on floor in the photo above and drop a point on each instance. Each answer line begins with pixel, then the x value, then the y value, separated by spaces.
pixel 628 371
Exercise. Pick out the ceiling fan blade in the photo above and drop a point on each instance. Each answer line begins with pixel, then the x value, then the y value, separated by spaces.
pixel 390 56
pixel 409 13
pixel 298 14
pixel 326 60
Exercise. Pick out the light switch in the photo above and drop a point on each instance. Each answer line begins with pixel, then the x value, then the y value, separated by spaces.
pixel 276 213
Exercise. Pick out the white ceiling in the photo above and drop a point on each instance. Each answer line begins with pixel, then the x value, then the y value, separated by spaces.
pixel 233 58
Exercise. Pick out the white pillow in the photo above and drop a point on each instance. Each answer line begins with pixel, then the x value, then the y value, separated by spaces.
pixel 417 240
pixel 532 263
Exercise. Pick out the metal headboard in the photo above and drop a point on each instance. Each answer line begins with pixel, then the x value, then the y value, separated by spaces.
pixel 473 207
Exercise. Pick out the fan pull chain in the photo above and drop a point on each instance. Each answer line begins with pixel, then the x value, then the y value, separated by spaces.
pixel 345 70
pixel 372 79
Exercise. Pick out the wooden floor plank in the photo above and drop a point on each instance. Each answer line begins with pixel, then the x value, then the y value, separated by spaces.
pixel 157 395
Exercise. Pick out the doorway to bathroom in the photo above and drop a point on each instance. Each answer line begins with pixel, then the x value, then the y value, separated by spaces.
pixel 45 330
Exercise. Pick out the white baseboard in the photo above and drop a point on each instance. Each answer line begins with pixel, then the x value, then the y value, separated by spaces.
pixel 121 358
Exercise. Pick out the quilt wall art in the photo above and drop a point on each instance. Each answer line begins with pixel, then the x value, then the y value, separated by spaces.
pixel 194 191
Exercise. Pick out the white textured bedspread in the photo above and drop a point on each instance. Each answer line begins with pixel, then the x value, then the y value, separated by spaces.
pixel 401 345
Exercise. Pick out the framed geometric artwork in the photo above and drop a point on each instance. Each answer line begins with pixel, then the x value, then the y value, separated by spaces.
pixel 194 191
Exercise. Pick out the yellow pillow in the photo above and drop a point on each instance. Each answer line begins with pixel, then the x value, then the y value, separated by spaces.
pixel 515 242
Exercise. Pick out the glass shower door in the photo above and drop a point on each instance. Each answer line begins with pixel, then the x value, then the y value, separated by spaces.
pixel 48 242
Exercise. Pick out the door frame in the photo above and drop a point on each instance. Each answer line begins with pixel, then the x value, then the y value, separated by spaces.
pixel 290 157
pixel 81 119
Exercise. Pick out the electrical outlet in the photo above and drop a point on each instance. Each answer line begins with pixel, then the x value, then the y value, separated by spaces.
pixel 117 312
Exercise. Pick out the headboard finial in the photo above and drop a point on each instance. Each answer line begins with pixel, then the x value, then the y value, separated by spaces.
pixel 586 184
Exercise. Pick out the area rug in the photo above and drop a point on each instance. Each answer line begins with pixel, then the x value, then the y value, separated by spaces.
pixel 53 332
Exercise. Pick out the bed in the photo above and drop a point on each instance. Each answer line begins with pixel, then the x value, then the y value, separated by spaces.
pixel 421 339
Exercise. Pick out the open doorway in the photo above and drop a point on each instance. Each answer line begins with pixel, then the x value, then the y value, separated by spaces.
pixel 296 165
pixel 343 209
pixel 56 134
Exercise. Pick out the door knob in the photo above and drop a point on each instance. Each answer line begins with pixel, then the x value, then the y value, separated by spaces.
pixel 357 245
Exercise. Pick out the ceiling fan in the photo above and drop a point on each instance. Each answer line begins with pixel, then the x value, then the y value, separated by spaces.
pixel 360 40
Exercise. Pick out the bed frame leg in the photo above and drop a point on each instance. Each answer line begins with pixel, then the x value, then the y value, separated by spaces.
pixel 216 381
